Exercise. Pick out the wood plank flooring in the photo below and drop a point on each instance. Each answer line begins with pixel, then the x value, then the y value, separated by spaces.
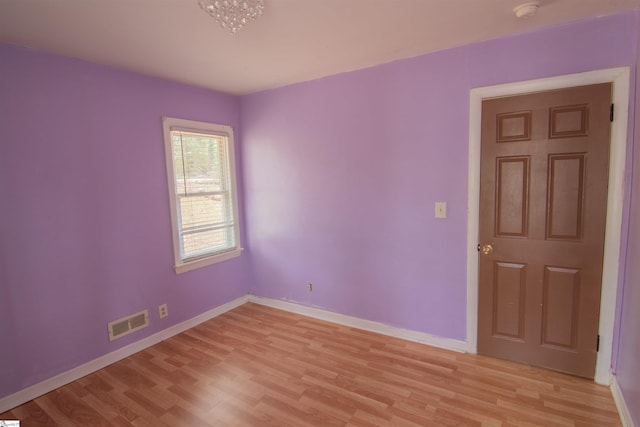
pixel 258 366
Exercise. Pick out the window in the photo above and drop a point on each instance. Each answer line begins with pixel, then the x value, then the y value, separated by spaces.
pixel 202 191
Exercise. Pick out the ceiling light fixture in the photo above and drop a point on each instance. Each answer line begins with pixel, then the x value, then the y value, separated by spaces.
pixel 233 14
pixel 526 10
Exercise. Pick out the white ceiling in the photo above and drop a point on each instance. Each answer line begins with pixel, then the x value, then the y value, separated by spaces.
pixel 295 40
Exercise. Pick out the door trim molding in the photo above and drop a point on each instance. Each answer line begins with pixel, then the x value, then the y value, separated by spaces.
pixel 615 197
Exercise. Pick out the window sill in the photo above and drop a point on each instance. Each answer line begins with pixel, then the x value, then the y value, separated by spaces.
pixel 203 262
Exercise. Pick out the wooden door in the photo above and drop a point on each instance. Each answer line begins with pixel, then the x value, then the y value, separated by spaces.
pixel 543 192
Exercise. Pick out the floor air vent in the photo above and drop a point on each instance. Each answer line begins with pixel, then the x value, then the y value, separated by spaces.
pixel 126 325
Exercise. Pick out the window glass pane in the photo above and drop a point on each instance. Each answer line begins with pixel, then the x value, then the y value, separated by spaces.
pixel 206 242
pixel 200 216
pixel 202 184
pixel 200 163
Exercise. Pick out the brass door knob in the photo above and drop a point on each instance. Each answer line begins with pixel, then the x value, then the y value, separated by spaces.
pixel 487 249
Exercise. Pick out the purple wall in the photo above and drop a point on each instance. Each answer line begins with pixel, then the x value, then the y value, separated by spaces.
pixel 85 234
pixel 342 174
pixel 628 364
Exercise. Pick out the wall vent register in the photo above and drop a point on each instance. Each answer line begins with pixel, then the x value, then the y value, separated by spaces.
pixel 126 325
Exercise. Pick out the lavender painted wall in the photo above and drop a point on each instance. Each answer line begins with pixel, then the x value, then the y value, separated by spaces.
pixel 628 366
pixel 342 174
pixel 85 233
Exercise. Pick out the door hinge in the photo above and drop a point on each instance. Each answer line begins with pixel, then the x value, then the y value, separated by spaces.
pixel 478 248
pixel 598 344
pixel 611 113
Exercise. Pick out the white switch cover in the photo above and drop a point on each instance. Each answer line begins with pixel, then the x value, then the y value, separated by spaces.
pixel 441 209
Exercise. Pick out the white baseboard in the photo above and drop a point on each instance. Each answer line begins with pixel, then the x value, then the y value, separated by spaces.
pixel 367 325
pixel 36 390
pixel 623 409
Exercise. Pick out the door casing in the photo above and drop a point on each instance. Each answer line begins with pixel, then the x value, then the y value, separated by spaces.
pixel 615 198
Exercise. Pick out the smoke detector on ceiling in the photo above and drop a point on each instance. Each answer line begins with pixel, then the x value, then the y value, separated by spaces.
pixel 526 10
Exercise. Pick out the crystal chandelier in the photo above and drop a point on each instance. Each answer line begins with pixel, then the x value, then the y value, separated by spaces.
pixel 233 14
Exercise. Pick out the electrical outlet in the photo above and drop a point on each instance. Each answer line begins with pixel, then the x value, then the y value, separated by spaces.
pixel 163 310
pixel 310 287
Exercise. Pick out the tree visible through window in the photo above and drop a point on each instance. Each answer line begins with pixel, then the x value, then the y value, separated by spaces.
pixel 202 187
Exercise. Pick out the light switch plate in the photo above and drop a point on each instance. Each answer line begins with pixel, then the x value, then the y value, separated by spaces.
pixel 441 209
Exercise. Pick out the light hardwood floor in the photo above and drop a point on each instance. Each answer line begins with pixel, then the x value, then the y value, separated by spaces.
pixel 258 366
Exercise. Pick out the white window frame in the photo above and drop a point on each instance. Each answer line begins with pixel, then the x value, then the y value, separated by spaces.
pixel 169 123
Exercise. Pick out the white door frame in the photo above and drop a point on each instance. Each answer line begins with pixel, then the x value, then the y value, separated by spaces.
pixel 615 197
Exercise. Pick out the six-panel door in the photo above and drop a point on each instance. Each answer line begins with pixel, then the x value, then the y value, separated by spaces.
pixel 543 188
